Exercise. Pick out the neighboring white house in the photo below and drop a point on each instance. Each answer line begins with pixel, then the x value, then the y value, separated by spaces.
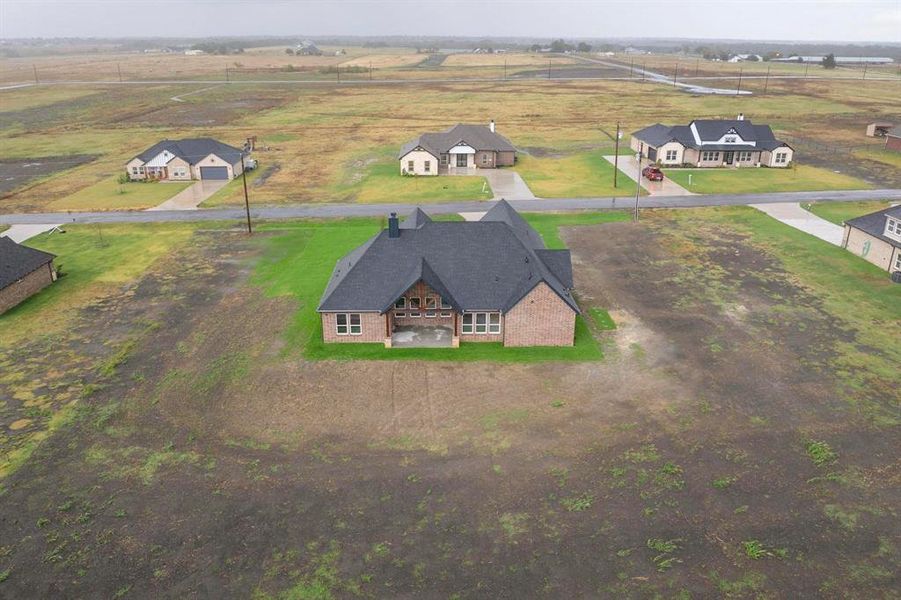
pixel 183 160
pixel 460 147
pixel 713 143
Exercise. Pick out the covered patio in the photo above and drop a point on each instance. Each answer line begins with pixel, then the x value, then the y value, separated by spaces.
pixel 422 336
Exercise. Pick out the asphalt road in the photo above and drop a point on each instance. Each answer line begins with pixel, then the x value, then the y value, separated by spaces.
pixel 299 211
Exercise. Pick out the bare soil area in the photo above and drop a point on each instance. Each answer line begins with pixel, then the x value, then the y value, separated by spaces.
pixel 15 174
pixel 213 462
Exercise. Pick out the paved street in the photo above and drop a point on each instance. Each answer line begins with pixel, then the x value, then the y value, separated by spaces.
pixel 298 211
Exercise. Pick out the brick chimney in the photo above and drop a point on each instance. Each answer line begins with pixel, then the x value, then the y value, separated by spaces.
pixel 393 226
pixel 491 125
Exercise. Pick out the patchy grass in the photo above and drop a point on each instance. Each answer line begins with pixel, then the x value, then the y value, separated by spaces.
pixel 820 453
pixel 383 183
pixel 602 319
pixel 232 193
pixel 762 180
pixel 96 260
pixel 575 176
pixel 299 258
pixel 109 194
pixel 880 155
pixel 839 212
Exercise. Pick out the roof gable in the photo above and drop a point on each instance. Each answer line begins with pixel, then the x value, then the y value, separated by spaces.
pixel 192 150
pixel 479 137
pixel 17 261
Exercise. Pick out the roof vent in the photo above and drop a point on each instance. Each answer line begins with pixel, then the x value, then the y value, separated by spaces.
pixel 741 117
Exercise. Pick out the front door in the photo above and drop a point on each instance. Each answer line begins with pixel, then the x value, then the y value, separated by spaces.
pixel 462 160
pixel 729 157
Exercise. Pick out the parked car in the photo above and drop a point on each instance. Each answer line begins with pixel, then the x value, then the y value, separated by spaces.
pixel 652 173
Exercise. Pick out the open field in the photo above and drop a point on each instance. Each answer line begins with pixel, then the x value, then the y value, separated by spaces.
pixel 574 176
pixel 839 212
pixel 320 143
pixel 750 180
pixel 670 467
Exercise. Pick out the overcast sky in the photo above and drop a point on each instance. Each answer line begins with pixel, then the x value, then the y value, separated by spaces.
pixel 847 20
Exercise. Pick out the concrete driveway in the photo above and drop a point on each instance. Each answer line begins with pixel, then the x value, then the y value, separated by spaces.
pixel 20 233
pixel 629 167
pixel 804 220
pixel 505 183
pixel 191 197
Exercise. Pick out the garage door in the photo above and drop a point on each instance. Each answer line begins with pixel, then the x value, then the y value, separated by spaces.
pixel 214 172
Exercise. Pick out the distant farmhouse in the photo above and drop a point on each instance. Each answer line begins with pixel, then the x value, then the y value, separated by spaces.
pixel 460 147
pixel 876 237
pixel 713 143
pixel 490 280
pixel 24 272
pixel 307 48
pixel 184 160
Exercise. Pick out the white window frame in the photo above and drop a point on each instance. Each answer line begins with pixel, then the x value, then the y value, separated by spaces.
pixel 893 228
pixel 729 139
pixel 431 302
pixel 415 315
pixel 710 155
pixel 898 261
pixel 465 327
pixel 671 155
pixel 781 158
pixel 411 166
pixel 442 159
pixel 415 302
pixel 401 302
pixel 481 323
pixel 484 159
pixel 445 304
pixel 445 314
pixel 348 326
pixel 427 166
pixel 400 315
pixel 744 156
pixel 430 314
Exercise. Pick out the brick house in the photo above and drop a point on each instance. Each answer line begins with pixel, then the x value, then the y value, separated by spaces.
pixel 876 238
pixel 24 272
pixel 490 280
pixel 187 159
pixel 460 149
pixel 713 143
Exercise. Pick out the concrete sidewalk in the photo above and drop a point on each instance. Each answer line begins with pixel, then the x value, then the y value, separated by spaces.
pixel 20 233
pixel 628 166
pixel 804 220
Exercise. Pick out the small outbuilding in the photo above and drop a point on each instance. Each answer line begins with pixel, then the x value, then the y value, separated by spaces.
pixel 893 139
pixel 24 272
pixel 876 238
pixel 879 128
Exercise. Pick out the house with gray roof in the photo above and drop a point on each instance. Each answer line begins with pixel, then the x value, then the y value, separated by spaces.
pixel 713 143
pixel 187 159
pixel 490 280
pixel 876 237
pixel 24 272
pixel 462 148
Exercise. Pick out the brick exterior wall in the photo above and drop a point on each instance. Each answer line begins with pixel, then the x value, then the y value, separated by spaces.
pixel 893 142
pixel 26 287
pixel 541 318
pixel 374 328
pixel 421 290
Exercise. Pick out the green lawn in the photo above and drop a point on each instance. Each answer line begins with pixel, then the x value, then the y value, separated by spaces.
pixel 382 182
pixel 575 176
pixel 109 194
pixel 750 180
pixel 839 212
pixel 232 193
pixel 881 155
pixel 96 261
pixel 298 261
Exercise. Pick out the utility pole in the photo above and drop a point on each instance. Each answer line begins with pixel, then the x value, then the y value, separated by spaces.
pixel 246 199
pixel 638 180
pixel 766 82
pixel 548 68
pixel 505 69
pixel 643 71
pixel 338 72
pixel 616 156
pixel 370 70
pixel 675 74
pixel 226 73
pixel 119 69
pixel 631 63
pixel 806 66
pixel 697 65
pixel 34 67
pixel 864 70
pixel 738 89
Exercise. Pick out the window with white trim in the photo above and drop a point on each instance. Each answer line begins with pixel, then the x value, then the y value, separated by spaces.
pixel 484 159
pixel 744 156
pixel 348 324
pixel 893 228
pixel 400 303
pixel 898 261
pixel 431 302
pixel 445 304
pixel 427 166
pixel 445 314
pixel 410 166
pixel 443 159
pixel 671 155
pixel 708 155
pixel 781 158
pixel 398 315
pixel 134 170
pixel 415 315
pixel 415 303
pixel 430 314
pixel 729 139
pixel 481 323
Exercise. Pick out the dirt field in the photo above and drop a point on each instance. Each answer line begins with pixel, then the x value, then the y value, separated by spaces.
pixel 721 449
pixel 15 174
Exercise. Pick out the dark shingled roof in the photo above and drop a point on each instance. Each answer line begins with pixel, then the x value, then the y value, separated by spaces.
pixel 416 219
pixel 17 261
pixel 477 136
pixel 489 264
pixel 711 130
pixel 874 223
pixel 193 150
